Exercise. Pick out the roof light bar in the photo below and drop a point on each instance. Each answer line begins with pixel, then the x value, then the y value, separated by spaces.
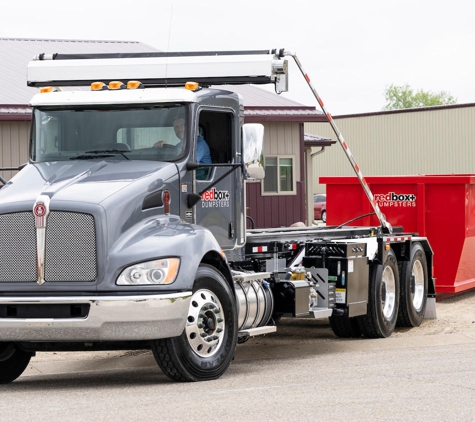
pixel 160 69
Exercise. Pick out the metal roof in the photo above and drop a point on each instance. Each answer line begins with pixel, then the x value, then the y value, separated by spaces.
pixel 254 96
pixel 311 140
pixel 260 105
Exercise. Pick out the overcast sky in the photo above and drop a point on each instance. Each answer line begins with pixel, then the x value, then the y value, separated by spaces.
pixel 352 50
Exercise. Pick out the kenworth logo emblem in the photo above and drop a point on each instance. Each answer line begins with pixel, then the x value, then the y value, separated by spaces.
pixel 215 198
pixel 393 199
pixel 40 214
pixel 41 211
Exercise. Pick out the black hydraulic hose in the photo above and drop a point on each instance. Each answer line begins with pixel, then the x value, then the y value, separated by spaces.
pixel 354 219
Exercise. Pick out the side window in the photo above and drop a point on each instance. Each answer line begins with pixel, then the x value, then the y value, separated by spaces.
pixel 214 141
pixel 279 177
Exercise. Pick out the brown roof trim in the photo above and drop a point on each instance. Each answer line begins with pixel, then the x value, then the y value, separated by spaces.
pixel 285 118
pixel 15 112
pixel 15 117
pixel 306 108
pixel 300 114
pixel 405 110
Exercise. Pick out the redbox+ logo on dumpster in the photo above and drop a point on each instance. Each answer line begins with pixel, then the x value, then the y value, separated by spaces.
pixel 393 199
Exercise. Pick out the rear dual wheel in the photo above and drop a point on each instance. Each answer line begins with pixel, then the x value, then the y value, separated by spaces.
pixel 414 285
pixel 383 300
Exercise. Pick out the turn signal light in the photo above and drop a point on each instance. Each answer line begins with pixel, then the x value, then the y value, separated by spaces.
pixel 46 89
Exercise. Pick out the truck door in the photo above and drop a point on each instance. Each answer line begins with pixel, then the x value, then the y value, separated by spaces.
pixel 218 207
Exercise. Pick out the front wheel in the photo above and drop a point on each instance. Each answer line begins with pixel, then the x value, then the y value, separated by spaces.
pixel 206 347
pixel 414 284
pixel 383 300
pixel 324 216
pixel 13 362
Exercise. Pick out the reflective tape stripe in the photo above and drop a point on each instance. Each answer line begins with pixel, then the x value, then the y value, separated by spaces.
pixel 398 239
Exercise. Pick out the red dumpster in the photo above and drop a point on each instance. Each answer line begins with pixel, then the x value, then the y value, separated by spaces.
pixel 439 207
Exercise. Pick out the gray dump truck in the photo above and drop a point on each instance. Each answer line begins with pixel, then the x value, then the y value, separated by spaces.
pixel 124 232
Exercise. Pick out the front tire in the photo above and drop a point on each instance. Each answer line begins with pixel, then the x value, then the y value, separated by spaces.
pixel 383 300
pixel 324 216
pixel 13 362
pixel 414 285
pixel 206 347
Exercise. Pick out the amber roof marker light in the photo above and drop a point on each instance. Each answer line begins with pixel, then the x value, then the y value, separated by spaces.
pixel 192 86
pixel 117 85
pixel 98 86
pixel 134 85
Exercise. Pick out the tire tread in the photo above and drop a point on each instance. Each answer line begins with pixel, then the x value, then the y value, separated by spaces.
pixel 13 367
pixel 405 319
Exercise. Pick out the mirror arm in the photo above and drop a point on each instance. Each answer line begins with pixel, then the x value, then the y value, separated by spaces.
pixel 193 198
pixel 214 182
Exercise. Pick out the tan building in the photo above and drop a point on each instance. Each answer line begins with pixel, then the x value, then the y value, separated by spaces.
pixel 432 140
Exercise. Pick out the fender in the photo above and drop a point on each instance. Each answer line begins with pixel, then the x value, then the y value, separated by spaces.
pixel 160 237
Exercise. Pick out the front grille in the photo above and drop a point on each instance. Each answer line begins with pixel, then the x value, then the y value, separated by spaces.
pixel 70 247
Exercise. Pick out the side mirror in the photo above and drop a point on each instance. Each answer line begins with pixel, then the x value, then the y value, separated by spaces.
pixel 253 151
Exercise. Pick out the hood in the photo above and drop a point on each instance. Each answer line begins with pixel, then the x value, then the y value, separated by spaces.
pixel 90 181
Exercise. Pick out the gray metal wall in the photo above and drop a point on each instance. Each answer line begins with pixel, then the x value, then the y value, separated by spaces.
pixel 440 140
pixel 13 145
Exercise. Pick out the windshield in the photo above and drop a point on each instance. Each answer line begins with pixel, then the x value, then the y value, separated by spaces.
pixel 135 133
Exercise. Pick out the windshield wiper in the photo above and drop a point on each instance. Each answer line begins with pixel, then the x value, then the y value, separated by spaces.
pixel 115 151
pixel 99 153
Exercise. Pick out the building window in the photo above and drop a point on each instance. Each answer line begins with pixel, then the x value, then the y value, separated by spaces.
pixel 280 177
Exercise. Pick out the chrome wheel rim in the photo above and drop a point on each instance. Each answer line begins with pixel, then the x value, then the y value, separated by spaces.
pixel 205 323
pixel 417 285
pixel 388 294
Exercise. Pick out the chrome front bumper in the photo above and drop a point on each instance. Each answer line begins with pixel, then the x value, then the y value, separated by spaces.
pixel 110 318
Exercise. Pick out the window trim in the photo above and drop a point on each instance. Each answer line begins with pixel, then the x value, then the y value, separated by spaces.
pixel 294 181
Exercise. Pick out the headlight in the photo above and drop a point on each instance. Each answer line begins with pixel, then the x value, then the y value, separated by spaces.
pixel 160 271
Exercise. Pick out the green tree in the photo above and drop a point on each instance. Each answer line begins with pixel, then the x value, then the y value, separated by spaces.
pixel 404 96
